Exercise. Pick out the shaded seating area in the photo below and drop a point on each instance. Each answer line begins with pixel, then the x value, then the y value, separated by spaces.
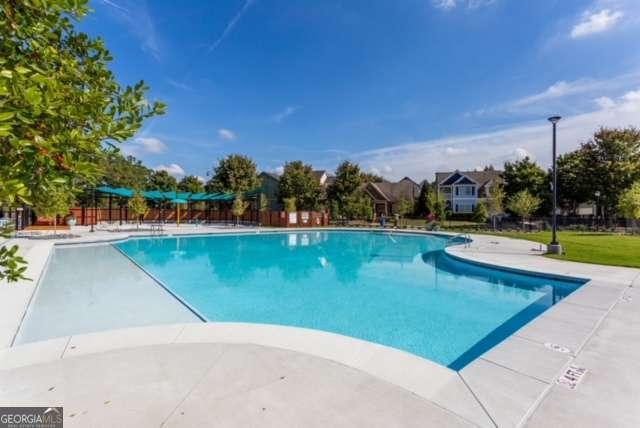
pixel 163 207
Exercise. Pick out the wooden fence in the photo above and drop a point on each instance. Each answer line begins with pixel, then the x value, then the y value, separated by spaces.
pixel 88 216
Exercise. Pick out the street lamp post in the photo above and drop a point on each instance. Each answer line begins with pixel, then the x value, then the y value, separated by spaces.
pixel 554 247
pixel 597 194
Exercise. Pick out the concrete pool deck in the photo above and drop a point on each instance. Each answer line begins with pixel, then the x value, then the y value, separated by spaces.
pixel 339 380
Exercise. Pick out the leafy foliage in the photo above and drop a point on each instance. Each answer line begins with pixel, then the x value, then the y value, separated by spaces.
pixel 190 183
pixel 480 213
pixel 59 103
pixel 289 204
pixel 357 206
pixel 121 171
pixel 608 163
pixel 438 207
pixel 422 207
pixel 234 174
pixel 239 206
pixel 526 175
pixel 138 206
pixel 299 181
pixel 344 191
pixel 523 204
pixel 55 202
pixel 404 207
pixel 629 202
pixel 161 180
pixel 369 177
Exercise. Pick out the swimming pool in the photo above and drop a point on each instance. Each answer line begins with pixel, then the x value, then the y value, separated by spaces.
pixel 399 290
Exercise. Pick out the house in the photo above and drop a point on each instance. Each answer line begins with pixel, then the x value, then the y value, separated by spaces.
pixel 463 190
pixel 271 182
pixel 386 196
pixel 269 187
pixel 324 178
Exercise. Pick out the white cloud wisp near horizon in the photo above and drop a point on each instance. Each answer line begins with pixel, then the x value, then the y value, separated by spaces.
pixel 420 160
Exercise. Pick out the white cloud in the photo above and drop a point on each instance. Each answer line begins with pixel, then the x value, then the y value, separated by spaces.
pixel 226 134
pixel 423 158
pixel 179 85
pixel 555 96
pixel 469 4
pixel 558 90
pixel 144 145
pixel 230 26
pixel 520 153
pixel 279 170
pixel 201 179
pixel 595 23
pixel 454 151
pixel 173 169
pixel 150 145
pixel 605 102
pixel 288 111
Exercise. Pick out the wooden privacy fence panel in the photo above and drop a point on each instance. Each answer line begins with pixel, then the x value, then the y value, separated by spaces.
pixel 88 216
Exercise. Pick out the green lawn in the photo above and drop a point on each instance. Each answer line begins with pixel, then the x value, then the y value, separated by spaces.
pixel 590 247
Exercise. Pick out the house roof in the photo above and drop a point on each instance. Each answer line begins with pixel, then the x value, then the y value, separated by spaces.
pixel 393 192
pixel 468 177
pixel 270 175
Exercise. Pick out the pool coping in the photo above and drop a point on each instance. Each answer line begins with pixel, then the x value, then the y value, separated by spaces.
pixel 505 370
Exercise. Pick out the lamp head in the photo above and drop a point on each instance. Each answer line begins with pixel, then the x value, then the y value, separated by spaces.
pixel 554 119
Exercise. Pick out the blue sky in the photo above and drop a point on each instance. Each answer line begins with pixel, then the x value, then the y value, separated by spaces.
pixel 403 88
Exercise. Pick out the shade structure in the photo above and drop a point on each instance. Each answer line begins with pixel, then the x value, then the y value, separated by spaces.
pixel 187 197
pixel 178 201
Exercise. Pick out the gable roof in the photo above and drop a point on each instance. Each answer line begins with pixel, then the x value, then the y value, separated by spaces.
pixel 394 192
pixel 462 177
pixel 270 175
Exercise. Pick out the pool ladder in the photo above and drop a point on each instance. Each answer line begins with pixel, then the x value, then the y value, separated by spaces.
pixel 466 236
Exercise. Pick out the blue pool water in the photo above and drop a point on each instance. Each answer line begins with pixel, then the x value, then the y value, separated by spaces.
pixel 397 290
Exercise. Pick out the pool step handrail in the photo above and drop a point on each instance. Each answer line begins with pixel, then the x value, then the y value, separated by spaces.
pixel 465 235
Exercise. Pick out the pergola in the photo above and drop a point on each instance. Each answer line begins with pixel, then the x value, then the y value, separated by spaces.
pixel 160 196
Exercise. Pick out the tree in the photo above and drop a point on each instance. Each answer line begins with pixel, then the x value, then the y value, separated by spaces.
pixel 525 174
pixel 162 181
pixel 369 177
pixel 629 202
pixel 56 201
pixel 609 163
pixel 191 184
pixel 573 188
pixel 523 204
pixel 438 207
pixel 234 174
pixel 239 207
pixel 59 104
pixel 299 181
pixel 345 187
pixel 423 201
pixel 289 205
pixel 495 202
pixel 404 207
pixel 480 213
pixel 263 202
pixel 357 206
pixel 120 171
pixel 138 205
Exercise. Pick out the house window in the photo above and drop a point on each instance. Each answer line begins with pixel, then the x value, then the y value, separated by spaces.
pixel 466 190
pixel 464 208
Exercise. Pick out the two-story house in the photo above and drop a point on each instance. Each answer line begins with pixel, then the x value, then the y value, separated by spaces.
pixel 463 190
